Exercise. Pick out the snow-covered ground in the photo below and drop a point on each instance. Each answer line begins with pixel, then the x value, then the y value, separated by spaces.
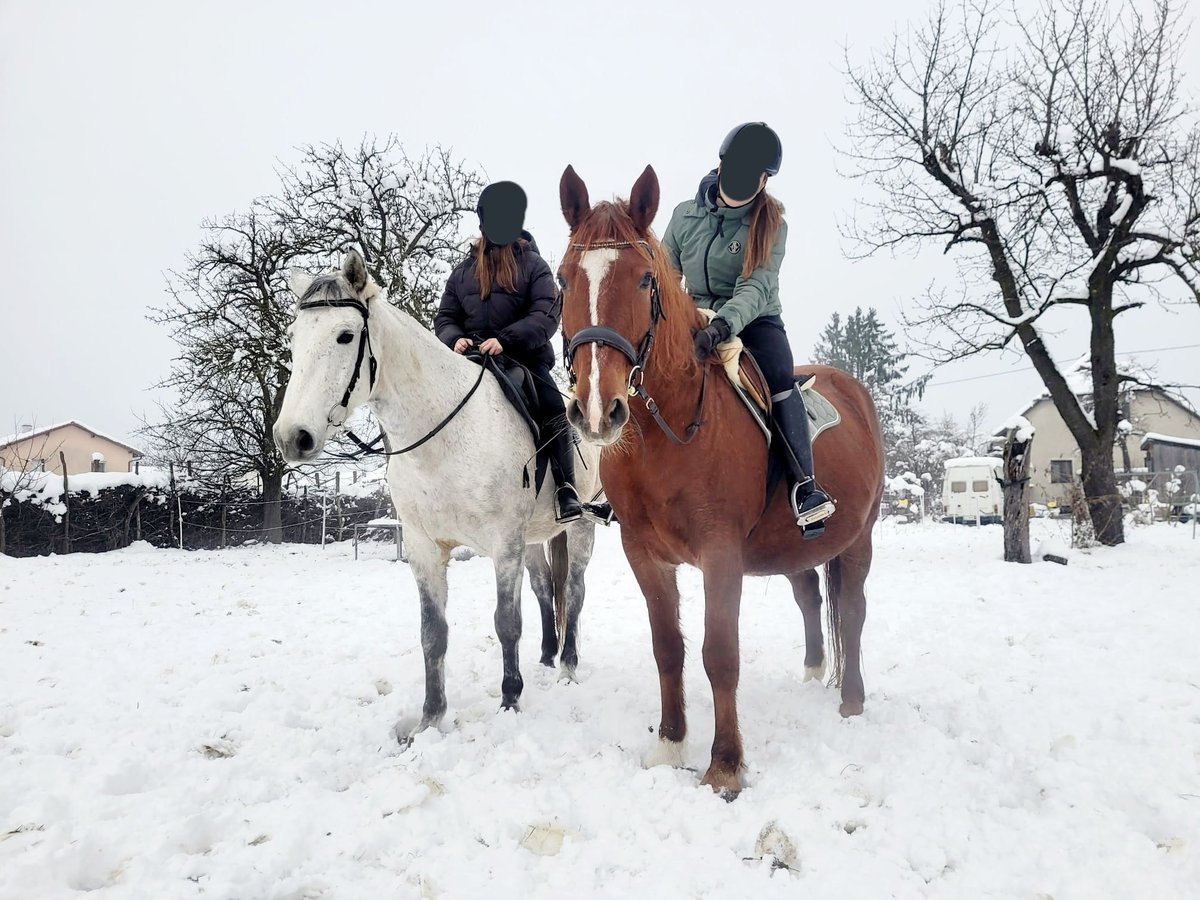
pixel 219 725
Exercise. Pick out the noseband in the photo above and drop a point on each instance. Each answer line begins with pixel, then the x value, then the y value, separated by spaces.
pixel 609 337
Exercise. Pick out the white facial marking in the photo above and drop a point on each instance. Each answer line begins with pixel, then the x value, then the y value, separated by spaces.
pixel 594 264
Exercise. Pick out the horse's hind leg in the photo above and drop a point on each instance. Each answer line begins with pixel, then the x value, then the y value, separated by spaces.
pixel 848 581
pixel 508 619
pixel 806 588
pixel 543 588
pixel 580 540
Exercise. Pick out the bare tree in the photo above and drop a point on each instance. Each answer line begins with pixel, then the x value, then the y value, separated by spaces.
pixel 230 307
pixel 1057 158
pixel 228 312
pixel 401 211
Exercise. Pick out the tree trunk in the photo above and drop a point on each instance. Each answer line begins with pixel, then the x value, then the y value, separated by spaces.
pixel 272 492
pixel 1016 499
pixel 1100 491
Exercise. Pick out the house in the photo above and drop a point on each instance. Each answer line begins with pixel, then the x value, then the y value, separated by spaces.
pixel 85 450
pixel 1165 452
pixel 1055 460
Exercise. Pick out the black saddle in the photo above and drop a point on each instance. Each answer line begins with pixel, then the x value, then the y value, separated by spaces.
pixel 516 381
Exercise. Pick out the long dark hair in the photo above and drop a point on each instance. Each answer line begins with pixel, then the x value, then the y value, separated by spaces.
pixel 496 264
pixel 765 217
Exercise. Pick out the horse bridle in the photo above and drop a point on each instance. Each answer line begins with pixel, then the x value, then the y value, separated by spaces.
pixel 609 337
pixel 365 349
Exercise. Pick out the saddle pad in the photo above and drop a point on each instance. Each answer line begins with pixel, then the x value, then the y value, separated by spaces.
pixel 821 413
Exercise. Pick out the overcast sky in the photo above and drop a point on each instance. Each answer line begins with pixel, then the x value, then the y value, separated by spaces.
pixel 125 124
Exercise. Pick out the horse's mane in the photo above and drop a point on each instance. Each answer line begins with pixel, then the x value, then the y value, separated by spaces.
pixel 673 349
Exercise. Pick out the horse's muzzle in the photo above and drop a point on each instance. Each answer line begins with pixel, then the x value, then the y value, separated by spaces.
pixel 603 429
pixel 297 445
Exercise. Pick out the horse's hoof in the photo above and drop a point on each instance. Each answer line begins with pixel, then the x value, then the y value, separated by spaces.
pixel 512 704
pixel 851 708
pixel 548 660
pixel 665 753
pixel 566 675
pixel 725 783
pixel 406 731
pixel 815 673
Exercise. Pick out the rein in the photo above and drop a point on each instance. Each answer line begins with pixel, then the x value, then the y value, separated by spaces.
pixel 365 349
pixel 609 337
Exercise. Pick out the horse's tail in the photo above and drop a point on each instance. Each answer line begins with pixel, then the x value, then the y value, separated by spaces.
pixel 558 577
pixel 833 590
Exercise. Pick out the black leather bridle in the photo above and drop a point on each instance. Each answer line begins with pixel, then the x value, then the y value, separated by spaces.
pixel 364 349
pixel 609 337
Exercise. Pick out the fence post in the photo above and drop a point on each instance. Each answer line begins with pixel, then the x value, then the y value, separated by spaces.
pixel 324 518
pixel 66 498
pixel 337 499
pixel 304 520
pixel 224 507
pixel 171 501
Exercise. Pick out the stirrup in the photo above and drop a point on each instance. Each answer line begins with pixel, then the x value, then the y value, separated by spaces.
pixel 818 513
pixel 571 515
pixel 601 513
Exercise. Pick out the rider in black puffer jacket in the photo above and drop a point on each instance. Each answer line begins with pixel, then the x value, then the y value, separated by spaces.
pixel 503 299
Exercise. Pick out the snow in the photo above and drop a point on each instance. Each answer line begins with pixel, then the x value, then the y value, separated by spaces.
pixel 178 724
pixel 1022 426
pixel 1129 166
pixel 1168 439
pixel 46 487
pixel 963 461
pixel 1123 210
pixel 902 485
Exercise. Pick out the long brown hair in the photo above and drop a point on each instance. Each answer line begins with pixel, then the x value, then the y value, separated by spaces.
pixel 496 264
pixel 765 217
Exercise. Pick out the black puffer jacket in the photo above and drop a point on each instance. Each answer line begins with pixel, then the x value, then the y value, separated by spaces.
pixel 523 320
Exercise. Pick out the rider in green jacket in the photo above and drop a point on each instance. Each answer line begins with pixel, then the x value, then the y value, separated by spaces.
pixel 729 242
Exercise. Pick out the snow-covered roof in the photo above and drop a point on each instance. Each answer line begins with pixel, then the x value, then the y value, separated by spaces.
pixel 1152 437
pixel 963 461
pixel 37 432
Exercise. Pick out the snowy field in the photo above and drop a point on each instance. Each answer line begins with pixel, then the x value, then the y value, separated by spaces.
pixel 219 725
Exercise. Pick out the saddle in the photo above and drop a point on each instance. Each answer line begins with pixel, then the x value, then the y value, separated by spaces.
pixel 516 382
pixel 751 386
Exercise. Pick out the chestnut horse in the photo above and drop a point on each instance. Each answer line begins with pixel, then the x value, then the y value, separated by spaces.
pixel 697 494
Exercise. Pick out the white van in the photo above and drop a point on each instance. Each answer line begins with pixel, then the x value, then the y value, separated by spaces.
pixel 971 493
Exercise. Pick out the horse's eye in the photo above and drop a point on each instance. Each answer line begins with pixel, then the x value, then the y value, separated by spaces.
pixel 562 282
pixel 647 280
pixel 345 337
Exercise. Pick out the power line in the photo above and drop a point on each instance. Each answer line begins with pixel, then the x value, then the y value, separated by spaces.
pixel 1030 368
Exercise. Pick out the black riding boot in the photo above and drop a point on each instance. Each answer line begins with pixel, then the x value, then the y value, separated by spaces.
pixel 810 505
pixel 562 467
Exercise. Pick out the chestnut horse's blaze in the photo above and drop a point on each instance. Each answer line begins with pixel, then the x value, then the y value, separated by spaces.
pixel 698 499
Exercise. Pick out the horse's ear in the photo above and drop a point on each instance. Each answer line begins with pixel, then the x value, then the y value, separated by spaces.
pixel 354 269
pixel 573 196
pixel 643 200
pixel 299 281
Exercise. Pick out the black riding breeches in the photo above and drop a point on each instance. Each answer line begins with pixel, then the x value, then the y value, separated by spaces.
pixel 766 338
pixel 552 410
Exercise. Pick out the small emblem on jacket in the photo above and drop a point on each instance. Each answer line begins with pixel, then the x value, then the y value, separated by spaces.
pixel 734 247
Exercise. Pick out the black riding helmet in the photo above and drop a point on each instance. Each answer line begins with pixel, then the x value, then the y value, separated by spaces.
pixel 757 142
pixel 501 211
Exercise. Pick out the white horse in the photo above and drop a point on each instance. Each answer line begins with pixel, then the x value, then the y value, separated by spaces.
pixel 464 485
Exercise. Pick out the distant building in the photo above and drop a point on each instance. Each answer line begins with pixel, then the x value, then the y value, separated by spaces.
pixel 1164 452
pixel 85 450
pixel 1055 460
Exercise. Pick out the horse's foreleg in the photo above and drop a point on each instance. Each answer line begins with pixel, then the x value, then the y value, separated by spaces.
pixel 508 620
pixel 853 563
pixel 428 564
pixel 543 588
pixel 658 583
pixel 581 539
pixel 806 588
pixel 722 603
